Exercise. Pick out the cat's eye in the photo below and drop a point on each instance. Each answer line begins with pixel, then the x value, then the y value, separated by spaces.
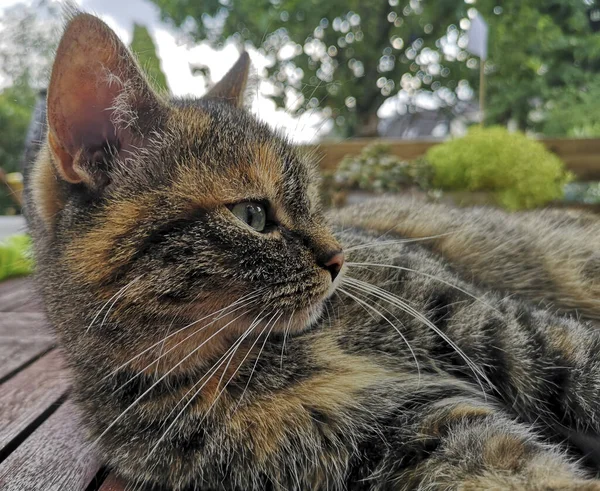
pixel 251 213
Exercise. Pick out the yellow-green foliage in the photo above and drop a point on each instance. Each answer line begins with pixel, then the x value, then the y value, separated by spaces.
pixel 15 259
pixel 520 171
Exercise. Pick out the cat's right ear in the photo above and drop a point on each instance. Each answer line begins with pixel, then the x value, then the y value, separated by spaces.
pixel 231 87
pixel 99 102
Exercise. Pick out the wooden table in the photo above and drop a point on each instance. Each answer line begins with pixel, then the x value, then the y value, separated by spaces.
pixel 41 443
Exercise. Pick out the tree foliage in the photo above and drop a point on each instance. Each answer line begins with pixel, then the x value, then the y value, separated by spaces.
pixel 544 58
pixel 16 104
pixel 350 56
pixel 144 48
pixel 29 34
pixel 347 56
pixel 28 37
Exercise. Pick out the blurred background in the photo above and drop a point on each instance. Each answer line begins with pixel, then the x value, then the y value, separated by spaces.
pixel 470 101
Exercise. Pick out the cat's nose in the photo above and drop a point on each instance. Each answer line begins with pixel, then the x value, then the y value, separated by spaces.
pixel 333 263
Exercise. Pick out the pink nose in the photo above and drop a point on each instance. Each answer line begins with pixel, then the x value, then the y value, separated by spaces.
pixel 334 264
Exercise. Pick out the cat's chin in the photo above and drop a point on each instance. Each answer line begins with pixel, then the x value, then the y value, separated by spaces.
pixel 307 319
pixel 314 313
pixel 310 317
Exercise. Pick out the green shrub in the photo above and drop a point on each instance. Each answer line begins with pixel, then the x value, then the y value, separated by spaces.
pixel 520 171
pixel 376 170
pixel 15 258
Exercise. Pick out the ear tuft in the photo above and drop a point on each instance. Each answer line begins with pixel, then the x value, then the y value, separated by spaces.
pixel 232 86
pixel 96 98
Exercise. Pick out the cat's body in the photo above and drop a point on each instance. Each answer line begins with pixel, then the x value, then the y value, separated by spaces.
pixel 452 351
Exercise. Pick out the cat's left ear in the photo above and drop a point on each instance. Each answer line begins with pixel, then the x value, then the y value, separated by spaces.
pixel 232 86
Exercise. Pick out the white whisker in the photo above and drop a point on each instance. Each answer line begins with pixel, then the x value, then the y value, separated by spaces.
pixel 366 305
pixel 380 243
pixel 427 275
pixel 220 361
pixel 219 315
pixel 398 302
pixel 258 357
pixel 285 334
pixel 147 391
pixel 197 331
pixel 112 299
pixel 233 349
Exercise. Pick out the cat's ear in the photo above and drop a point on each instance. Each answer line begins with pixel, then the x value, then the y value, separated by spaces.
pixel 232 86
pixel 99 102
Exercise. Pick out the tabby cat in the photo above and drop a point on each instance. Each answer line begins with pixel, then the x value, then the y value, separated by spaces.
pixel 219 338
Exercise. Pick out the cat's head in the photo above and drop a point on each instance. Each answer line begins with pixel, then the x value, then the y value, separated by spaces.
pixel 168 211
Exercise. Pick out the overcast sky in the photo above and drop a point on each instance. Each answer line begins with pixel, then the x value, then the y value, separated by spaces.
pixel 176 58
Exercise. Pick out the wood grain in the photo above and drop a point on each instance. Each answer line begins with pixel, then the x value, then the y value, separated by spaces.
pixel 24 325
pixel 18 295
pixel 29 394
pixel 15 353
pixel 54 458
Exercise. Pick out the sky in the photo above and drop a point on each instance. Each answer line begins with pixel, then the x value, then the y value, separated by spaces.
pixel 176 58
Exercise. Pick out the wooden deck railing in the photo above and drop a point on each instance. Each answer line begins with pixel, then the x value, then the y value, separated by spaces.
pixel 581 156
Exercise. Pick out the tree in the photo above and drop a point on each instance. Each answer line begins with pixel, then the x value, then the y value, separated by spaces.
pixel 350 56
pixel 347 56
pixel 16 104
pixel 145 49
pixel 574 112
pixel 29 35
pixel 28 38
pixel 544 58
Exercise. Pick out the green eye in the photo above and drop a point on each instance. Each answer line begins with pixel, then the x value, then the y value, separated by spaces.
pixel 253 214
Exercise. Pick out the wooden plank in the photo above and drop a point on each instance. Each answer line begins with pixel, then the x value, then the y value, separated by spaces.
pixel 54 458
pixel 18 294
pixel 112 483
pixel 12 283
pixel 28 395
pixel 585 167
pixel 25 326
pixel 581 156
pixel 31 304
pixel 15 353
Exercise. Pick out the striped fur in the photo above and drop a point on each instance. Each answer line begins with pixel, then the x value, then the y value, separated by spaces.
pixel 463 361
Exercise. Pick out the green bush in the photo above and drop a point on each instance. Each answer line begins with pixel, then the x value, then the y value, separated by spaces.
pixel 15 258
pixel 520 171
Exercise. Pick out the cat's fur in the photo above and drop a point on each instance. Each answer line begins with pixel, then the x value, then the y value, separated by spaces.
pixel 134 241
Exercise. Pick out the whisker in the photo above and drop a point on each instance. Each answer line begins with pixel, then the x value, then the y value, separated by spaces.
pixel 379 243
pixel 256 321
pixel 140 372
pixel 239 366
pixel 147 391
pixel 116 297
pixel 191 399
pixel 162 347
pixel 366 305
pixel 398 302
pixel 231 359
pixel 285 334
pixel 221 313
pixel 257 358
pixel 427 275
